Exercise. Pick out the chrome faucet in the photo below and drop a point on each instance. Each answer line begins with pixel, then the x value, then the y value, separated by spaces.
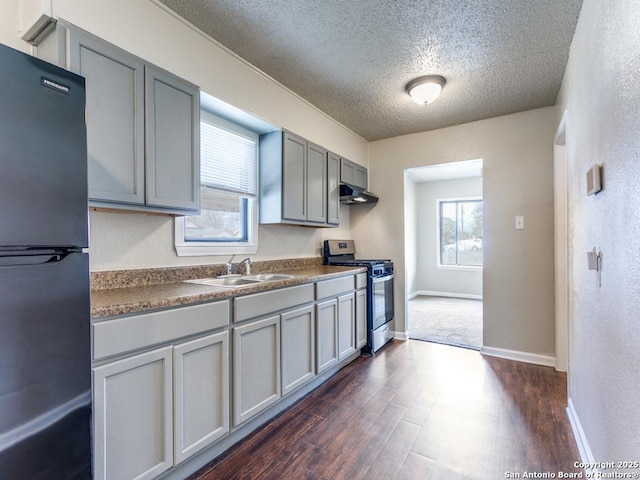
pixel 230 265
pixel 247 262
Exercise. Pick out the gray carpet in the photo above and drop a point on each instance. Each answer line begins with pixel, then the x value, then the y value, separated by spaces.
pixel 452 321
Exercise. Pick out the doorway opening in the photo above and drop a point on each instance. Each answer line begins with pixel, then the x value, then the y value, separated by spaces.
pixel 561 240
pixel 444 253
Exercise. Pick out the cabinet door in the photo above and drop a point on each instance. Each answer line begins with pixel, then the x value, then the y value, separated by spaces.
pixel 316 184
pixel 333 189
pixel 294 177
pixel 115 118
pixel 172 141
pixel 360 178
pixel 133 417
pixel 298 348
pixel 347 171
pixel 201 393
pixel 327 334
pixel 346 326
pixel 256 368
pixel 361 318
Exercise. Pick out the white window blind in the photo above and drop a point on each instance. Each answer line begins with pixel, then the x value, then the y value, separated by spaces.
pixel 227 157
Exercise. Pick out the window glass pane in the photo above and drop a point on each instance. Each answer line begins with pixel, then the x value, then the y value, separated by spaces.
pixel 448 232
pixel 223 218
pixel 461 233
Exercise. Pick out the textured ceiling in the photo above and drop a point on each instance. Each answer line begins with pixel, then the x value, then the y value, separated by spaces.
pixel 353 58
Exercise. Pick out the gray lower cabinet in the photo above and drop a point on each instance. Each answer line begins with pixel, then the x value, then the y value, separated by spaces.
pixel 256 368
pixel 361 318
pixel 346 325
pixel 133 416
pixel 327 334
pixel 153 410
pixel 143 128
pixel 298 340
pixel 201 393
pixel 339 328
pixel 157 409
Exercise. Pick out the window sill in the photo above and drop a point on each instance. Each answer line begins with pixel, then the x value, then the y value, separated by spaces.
pixel 197 250
pixel 467 268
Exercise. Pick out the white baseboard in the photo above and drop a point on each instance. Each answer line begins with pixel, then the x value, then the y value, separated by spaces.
pixel 430 293
pixel 401 336
pixel 581 440
pixel 526 357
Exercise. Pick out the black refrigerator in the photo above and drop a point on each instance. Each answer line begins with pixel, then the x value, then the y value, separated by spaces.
pixel 45 347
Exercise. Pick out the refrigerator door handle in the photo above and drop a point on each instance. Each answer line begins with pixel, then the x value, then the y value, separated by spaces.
pixel 31 260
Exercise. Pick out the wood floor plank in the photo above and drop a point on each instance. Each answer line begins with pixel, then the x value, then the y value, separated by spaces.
pixel 389 462
pixel 416 410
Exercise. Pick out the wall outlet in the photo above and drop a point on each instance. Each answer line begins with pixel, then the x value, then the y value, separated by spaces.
pixel 519 222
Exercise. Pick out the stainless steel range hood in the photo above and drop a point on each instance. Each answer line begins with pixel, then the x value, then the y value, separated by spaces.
pixel 354 195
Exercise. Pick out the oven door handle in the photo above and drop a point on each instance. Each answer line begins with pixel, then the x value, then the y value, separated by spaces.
pixel 382 279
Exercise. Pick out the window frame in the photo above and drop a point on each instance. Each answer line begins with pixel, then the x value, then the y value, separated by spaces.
pixel 224 247
pixel 439 264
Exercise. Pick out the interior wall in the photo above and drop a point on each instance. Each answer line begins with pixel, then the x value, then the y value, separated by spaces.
pixel 601 95
pixel 411 225
pixel 432 279
pixel 9 25
pixel 123 241
pixel 517 151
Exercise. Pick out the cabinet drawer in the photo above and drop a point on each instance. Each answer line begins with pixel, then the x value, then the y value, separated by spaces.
pixel 361 281
pixel 264 303
pixel 334 287
pixel 130 333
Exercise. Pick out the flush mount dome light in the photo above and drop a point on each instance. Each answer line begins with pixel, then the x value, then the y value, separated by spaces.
pixel 426 89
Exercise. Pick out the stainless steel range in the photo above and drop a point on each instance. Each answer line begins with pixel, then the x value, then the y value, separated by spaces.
pixel 379 290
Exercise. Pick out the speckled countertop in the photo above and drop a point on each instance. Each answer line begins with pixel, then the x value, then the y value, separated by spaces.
pixel 134 291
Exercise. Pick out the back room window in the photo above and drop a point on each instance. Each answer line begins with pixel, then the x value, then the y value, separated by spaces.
pixel 460 232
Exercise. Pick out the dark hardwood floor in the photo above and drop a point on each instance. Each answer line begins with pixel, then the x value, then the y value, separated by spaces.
pixel 416 411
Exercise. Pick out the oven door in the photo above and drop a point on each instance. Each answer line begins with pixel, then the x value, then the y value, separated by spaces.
pixel 382 300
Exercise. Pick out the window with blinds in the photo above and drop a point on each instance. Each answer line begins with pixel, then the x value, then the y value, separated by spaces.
pixel 228 220
pixel 228 155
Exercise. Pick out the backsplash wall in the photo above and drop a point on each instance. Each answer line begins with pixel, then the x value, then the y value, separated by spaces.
pixel 120 241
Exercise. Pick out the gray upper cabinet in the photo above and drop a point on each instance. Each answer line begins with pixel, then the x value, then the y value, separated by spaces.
pixel 172 141
pixel 293 181
pixel 316 183
pixel 143 126
pixel 353 174
pixel 115 118
pixel 333 188
pixel 294 174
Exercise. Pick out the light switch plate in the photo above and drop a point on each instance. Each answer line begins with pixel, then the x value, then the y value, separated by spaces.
pixel 594 180
pixel 519 222
pixel 592 257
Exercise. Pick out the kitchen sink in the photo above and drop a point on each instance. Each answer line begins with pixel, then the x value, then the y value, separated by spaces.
pixel 268 277
pixel 238 281
pixel 225 282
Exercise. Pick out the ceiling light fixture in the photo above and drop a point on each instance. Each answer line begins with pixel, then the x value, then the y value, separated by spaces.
pixel 426 89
